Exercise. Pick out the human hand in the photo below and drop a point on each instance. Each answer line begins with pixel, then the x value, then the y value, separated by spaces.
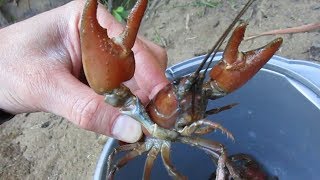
pixel 40 67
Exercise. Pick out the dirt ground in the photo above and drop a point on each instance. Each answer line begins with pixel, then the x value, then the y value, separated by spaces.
pixel 46 146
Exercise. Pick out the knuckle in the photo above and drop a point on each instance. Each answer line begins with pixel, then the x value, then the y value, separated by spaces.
pixel 161 52
pixel 163 56
pixel 84 112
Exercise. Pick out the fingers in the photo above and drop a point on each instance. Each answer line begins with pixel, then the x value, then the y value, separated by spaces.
pixel 159 52
pixel 80 104
pixel 149 73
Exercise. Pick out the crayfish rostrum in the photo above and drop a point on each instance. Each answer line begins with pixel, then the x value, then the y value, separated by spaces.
pixel 177 113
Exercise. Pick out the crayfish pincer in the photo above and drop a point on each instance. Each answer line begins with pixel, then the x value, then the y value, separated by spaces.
pixel 177 113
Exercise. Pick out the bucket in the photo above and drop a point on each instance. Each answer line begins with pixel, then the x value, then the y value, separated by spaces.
pixel 277 122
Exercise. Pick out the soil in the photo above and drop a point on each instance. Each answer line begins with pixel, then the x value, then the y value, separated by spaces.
pixel 46 146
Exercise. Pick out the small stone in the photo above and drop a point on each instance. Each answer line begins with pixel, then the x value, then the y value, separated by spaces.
pixel 314 51
pixel 45 125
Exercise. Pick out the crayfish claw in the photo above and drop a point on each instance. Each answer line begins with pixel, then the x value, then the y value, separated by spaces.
pixel 108 62
pixel 133 23
pixel 236 68
pixel 231 53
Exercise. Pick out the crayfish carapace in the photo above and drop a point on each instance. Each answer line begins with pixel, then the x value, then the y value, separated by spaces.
pixel 177 113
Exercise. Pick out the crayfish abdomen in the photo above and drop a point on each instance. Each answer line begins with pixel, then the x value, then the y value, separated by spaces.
pixel 177 113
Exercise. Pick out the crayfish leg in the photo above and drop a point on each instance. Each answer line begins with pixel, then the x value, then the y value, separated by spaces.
pixel 220 109
pixel 126 147
pixel 152 155
pixel 202 127
pixel 217 153
pixel 128 157
pixel 165 154
pixel 236 68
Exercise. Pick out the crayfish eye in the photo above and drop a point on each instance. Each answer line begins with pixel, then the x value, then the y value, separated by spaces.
pixel 176 82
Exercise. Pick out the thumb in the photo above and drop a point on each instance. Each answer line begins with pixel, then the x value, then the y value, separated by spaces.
pixel 82 106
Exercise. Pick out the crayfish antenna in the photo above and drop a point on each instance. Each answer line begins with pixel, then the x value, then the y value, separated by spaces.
pixel 236 68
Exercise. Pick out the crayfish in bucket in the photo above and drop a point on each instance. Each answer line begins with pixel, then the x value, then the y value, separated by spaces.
pixel 177 113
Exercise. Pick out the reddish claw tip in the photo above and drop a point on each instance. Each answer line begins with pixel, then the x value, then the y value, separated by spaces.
pixel 236 68
pixel 108 62
pixel 130 33
pixel 231 52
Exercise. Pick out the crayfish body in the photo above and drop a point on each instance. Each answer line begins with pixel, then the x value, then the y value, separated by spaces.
pixel 248 168
pixel 177 113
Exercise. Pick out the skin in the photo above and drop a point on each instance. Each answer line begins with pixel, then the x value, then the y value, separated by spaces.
pixel 40 68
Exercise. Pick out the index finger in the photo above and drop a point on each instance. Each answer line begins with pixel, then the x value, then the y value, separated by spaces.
pixel 149 74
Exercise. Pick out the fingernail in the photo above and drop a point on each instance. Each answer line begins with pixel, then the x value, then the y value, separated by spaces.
pixel 126 129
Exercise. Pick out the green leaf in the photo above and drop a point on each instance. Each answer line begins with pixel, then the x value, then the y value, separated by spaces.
pixel 117 16
pixel 125 14
pixel 120 9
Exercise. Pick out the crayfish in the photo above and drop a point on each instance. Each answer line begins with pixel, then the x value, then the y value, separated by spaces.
pixel 177 113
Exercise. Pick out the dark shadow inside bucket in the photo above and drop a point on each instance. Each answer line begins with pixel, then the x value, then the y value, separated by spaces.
pixel 274 123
